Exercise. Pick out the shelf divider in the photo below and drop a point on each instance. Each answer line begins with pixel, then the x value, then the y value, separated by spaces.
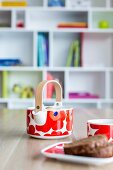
pixel 13 19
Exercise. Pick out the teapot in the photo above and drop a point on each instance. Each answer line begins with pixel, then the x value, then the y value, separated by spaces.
pixel 49 122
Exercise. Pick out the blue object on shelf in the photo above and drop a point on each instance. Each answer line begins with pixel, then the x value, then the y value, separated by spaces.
pixel 10 62
pixel 43 50
pixel 53 3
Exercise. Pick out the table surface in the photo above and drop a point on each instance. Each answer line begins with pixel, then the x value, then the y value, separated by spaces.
pixel 18 151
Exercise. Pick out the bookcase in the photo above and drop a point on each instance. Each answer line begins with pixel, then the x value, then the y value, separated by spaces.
pixel 94 75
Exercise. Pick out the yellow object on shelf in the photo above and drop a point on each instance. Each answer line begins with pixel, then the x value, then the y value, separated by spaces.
pixel 14 3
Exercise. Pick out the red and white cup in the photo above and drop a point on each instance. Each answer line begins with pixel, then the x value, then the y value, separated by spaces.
pixel 51 122
pixel 100 126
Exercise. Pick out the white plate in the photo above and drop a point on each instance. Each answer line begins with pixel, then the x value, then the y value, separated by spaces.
pixel 56 152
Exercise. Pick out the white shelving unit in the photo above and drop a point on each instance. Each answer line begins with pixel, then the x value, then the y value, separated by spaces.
pixel 96 73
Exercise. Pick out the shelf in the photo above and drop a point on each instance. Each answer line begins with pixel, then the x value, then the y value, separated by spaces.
pixel 58 69
pixel 97 56
pixel 87 101
pixel 100 54
pixel 5 19
pixel 57 9
pixel 25 103
pixel 34 21
pixel 79 69
pixel 90 82
pixel 58 30
pixel 87 69
pixel 21 103
pixel 22 80
pixel 102 16
pixel 18 68
pixel 39 8
pixel 61 46
pixel 65 101
pixel 18 46
pixel 81 30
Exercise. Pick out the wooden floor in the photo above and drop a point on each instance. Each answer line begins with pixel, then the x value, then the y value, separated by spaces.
pixel 20 152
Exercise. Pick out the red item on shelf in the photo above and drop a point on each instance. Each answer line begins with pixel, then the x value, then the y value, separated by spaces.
pixel 20 24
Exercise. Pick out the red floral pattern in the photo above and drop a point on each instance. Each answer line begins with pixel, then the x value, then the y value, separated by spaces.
pixel 54 133
pixel 58 123
pixel 102 129
pixel 28 121
pixel 31 130
pixel 54 122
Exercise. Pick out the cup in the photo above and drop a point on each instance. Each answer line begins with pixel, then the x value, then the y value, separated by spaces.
pixel 49 122
pixel 100 126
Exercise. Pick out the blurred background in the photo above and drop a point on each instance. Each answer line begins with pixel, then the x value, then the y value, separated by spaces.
pixel 70 41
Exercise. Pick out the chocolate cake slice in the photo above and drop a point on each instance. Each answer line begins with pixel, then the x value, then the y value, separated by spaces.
pixel 101 152
pixel 94 146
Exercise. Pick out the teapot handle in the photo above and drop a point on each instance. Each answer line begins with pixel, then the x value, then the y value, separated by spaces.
pixel 39 94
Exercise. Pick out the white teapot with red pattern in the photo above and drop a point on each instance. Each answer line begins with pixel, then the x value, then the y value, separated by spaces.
pixel 49 122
